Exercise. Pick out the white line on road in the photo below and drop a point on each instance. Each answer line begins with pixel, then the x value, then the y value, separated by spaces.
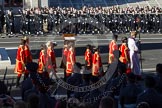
pixel 83 39
pixel 78 44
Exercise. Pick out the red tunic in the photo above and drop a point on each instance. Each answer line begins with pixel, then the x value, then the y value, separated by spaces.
pixel 20 60
pixel 64 55
pixel 112 46
pixel 51 60
pixel 88 58
pixel 124 58
pixel 41 61
pixel 70 61
pixel 28 56
pixel 96 64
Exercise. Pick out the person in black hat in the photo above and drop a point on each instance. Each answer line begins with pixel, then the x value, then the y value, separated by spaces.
pixel 27 84
pixel 116 73
pixel 150 95
pixel 3 88
pixel 76 78
pixel 40 81
pixel 93 93
pixel 107 102
pixel 159 78
pixel 32 67
pixel 133 89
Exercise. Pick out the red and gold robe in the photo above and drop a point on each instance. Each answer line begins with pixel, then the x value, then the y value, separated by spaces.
pixel 112 46
pixel 51 60
pixel 124 58
pixel 41 61
pixel 88 58
pixel 20 60
pixel 28 56
pixel 96 64
pixel 70 62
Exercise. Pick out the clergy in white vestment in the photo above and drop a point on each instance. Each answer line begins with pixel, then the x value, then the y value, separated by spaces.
pixel 133 52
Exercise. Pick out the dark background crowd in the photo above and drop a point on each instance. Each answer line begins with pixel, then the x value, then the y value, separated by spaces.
pixel 123 90
pixel 87 20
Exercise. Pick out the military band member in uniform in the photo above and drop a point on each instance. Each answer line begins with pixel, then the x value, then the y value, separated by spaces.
pixel 38 22
pixel 9 23
pixel 2 20
pixel 50 20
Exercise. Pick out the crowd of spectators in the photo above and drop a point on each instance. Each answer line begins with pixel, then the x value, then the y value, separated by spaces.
pixel 125 91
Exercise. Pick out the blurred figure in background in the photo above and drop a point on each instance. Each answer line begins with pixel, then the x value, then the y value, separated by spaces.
pixel 20 104
pixel 150 95
pixel 107 102
pixel 159 78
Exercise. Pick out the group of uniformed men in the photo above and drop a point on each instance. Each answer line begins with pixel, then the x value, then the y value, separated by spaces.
pixel 85 20
pixel 93 64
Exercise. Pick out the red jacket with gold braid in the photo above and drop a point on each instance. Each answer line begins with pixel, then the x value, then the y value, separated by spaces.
pixel 51 60
pixel 28 56
pixel 124 58
pixel 65 54
pixel 70 61
pixel 112 46
pixel 88 58
pixel 96 64
pixel 20 60
pixel 41 61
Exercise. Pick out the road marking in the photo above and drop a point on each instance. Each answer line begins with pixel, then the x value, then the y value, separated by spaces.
pixel 80 39
pixel 77 45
